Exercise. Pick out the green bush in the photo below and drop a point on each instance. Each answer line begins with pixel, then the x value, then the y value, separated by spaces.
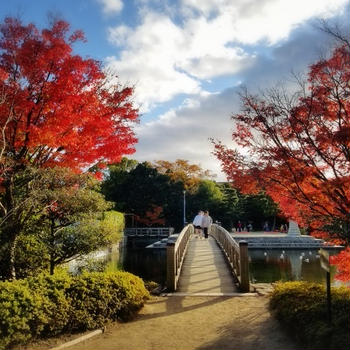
pixel 55 304
pixel 302 309
pixel 48 305
pixel 94 300
pixel 21 317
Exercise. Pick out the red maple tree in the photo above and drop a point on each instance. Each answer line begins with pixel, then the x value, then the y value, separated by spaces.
pixel 56 108
pixel 153 217
pixel 297 148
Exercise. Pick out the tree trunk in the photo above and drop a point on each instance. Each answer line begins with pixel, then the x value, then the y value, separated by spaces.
pixel 52 264
pixel 12 257
pixel 52 246
pixel 11 229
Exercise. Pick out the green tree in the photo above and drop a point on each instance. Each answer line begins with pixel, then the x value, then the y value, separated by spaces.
pixel 71 223
pixel 256 209
pixel 229 206
pixel 208 196
pixel 142 190
pixel 62 214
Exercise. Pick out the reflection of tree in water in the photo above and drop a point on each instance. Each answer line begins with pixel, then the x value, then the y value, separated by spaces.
pixel 149 264
pixel 288 265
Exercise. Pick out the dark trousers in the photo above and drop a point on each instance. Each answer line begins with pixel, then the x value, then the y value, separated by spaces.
pixel 205 230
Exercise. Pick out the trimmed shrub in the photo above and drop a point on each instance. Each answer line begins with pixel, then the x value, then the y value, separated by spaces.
pixel 94 300
pixel 49 305
pixel 55 304
pixel 302 309
pixel 21 316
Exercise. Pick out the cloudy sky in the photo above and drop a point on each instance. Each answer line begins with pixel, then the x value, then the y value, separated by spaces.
pixel 188 58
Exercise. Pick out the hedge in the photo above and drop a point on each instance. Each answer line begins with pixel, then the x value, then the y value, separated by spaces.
pixel 301 307
pixel 49 305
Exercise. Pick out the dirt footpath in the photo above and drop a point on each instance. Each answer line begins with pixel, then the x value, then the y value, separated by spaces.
pixel 184 323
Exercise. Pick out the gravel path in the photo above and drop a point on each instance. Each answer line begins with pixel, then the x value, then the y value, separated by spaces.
pixel 181 323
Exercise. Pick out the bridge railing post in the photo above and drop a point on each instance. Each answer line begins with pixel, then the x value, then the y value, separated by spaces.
pixel 244 266
pixel 171 267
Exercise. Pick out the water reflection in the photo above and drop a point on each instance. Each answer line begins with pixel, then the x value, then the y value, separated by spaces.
pixel 289 265
pixel 149 264
pixel 265 266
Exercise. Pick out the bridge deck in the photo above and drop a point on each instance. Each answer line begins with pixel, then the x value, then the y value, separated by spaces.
pixel 205 270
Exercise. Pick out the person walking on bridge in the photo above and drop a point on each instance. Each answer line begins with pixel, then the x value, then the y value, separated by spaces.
pixel 206 222
pixel 197 223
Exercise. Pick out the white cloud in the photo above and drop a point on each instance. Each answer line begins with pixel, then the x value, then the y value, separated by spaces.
pixel 164 57
pixel 184 132
pixel 254 20
pixel 111 6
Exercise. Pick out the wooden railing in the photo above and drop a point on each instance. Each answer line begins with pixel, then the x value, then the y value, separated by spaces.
pixel 176 251
pixel 149 231
pixel 236 254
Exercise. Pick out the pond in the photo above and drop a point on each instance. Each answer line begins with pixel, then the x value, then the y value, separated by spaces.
pixel 265 266
pixel 287 265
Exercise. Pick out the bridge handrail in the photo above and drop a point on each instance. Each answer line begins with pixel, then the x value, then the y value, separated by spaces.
pixel 176 251
pixel 236 255
pixel 148 231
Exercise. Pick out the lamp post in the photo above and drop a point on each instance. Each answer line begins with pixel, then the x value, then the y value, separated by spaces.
pixel 184 192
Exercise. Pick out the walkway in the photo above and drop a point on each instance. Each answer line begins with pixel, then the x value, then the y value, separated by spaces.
pixel 203 323
pixel 205 271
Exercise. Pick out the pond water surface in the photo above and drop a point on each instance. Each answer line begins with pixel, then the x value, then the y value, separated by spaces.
pixel 265 266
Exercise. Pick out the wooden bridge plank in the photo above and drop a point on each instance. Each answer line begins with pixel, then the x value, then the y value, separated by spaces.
pixel 205 270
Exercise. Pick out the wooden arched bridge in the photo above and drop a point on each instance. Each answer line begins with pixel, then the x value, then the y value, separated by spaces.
pixel 218 265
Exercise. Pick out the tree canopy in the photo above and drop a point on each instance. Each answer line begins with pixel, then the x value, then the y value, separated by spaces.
pixel 56 109
pixel 156 199
pixel 296 148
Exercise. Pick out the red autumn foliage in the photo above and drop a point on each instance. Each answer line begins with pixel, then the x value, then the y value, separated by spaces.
pixel 56 107
pixel 152 217
pixel 342 262
pixel 297 149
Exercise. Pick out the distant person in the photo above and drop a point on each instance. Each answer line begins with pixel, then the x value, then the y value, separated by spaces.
pixel 206 222
pixel 250 227
pixel 197 223
pixel 239 226
pixel 266 226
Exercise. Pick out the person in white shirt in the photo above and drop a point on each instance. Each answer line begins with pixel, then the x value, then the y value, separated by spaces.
pixel 197 223
pixel 206 222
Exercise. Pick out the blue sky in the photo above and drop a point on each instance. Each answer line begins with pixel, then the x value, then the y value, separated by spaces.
pixel 188 58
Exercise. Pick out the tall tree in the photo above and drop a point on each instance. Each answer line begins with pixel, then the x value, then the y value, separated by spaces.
pixel 56 109
pixel 297 148
pixel 181 170
pixel 153 197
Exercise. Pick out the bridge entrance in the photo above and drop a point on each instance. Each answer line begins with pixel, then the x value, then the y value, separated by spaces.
pixel 205 270
pixel 207 266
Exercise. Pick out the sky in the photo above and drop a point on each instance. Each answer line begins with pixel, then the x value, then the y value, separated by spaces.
pixel 188 59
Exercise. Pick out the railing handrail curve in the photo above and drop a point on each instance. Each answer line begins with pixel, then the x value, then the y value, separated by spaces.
pixel 176 251
pixel 236 255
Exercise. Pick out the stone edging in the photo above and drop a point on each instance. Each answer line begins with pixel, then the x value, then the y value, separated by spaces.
pixel 78 340
pixel 180 294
